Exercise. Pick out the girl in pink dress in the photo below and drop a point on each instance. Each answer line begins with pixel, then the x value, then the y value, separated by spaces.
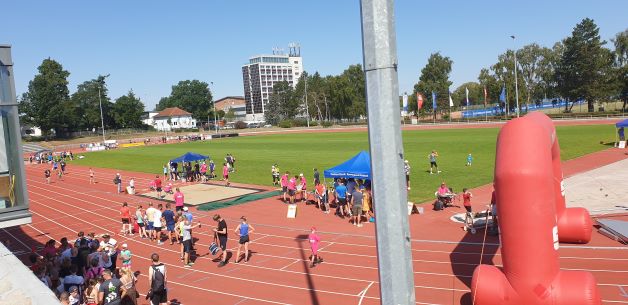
pixel 314 244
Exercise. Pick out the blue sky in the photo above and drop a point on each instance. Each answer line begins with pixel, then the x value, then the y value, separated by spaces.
pixel 148 46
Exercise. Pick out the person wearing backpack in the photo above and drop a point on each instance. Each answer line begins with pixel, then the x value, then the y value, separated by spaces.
pixel 157 279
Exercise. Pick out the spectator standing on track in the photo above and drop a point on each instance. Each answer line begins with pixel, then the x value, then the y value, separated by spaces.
pixel 321 196
pixel 170 222
pixel 150 214
pixel 47 176
pixel 292 188
pixel 187 242
pixel 129 293
pixel 356 207
pixel 110 290
pixel 112 246
pixel 221 234
pixel 158 281
pixel 157 223
pixel 139 217
pixel 225 173
pixel 178 200
pixel 341 197
pixel 243 230
pixel 132 185
pixel 125 214
pixel 284 184
pixel 315 241
pixel 433 164
pixel 118 182
pixel 125 256
pixel 165 171
pixel 158 186
pixel 303 184
pixel 91 176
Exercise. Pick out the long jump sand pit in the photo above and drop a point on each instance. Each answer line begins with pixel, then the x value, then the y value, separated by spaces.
pixel 201 193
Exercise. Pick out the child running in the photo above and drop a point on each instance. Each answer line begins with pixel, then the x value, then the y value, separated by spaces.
pixel 91 176
pixel 243 230
pixel 314 243
pixel 47 175
pixel 225 173
pixel 469 160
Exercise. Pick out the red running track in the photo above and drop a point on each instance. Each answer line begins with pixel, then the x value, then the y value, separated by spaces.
pixel 278 273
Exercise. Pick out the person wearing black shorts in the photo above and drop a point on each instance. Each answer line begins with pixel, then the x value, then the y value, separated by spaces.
pixel 221 234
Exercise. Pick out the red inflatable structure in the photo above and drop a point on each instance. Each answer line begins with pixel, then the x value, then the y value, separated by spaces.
pixel 532 220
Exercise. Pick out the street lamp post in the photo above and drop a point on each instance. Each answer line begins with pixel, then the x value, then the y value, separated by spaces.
pixel 307 111
pixel 516 84
pixel 102 121
pixel 214 106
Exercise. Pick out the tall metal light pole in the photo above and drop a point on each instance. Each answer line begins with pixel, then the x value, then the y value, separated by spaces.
pixel 214 106
pixel 379 49
pixel 307 111
pixel 102 120
pixel 516 85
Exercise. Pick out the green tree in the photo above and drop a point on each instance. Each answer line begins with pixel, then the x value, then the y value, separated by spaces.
pixel 283 104
pixel 492 85
pixel 504 71
pixel 47 102
pixel 435 78
pixel 476 94
pixel 534 62
pixel 192 96
pixel 230 115
pixel 585 68
pixel 88 103
pixel 621 55
pixel 128 110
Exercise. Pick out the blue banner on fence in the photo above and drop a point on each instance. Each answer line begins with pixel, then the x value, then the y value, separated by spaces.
pixel 496 110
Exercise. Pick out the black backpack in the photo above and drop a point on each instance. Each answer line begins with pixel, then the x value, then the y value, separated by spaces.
pixel 159 279
pixel 438 205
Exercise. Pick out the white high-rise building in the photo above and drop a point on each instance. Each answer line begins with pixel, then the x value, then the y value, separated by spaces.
pixel 262 72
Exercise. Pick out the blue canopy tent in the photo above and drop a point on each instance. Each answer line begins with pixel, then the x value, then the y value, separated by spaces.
pixel 358 167
pixel 619 135
pixel 189 157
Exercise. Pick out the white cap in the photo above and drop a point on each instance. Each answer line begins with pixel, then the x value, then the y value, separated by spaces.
pixel 125 246
pixel 185 208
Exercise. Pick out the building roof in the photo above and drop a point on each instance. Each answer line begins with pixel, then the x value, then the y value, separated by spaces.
pixel 230 97
pixel 172 112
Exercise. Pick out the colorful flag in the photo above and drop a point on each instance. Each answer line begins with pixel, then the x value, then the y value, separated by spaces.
pixel 419 101
pixel 451 102
pixel 485 96
pixel 405 103
pixel 502 96
pixel 433 100
pixel 466 92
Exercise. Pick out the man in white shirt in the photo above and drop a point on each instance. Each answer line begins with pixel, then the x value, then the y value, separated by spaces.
pixel 157 223
pixel 150 214
pixel 111 246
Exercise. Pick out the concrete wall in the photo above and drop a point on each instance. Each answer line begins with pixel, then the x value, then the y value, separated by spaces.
pixel 18 285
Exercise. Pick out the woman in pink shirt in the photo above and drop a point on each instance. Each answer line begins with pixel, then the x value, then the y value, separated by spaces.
pixel 204 172
pixel 303 188
pixel 443 189
pixel 314 243
pixel 178 200
pixel 292 188
pixel 225 173
pixel 284 185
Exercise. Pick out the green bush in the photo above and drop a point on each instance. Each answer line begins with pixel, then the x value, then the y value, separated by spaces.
pixel 285 124
pixel 327 124
pixel 313 123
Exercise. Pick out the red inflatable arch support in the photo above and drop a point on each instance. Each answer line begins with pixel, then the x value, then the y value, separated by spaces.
pixel 532 221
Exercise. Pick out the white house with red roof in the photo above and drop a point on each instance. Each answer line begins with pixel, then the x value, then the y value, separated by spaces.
pixel 173 118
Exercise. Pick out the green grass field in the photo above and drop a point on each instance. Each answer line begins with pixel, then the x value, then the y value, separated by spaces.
pixel 303 152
